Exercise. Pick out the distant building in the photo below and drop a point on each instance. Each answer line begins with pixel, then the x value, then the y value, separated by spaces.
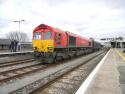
pixel 26 45
pixel 5 44
pixel 118 42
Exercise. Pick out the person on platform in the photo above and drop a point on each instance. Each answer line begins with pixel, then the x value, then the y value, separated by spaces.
pixel 19 46
pixel 15 45
pixel 12 46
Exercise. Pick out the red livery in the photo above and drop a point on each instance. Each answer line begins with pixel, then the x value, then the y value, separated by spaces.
pixel 54 44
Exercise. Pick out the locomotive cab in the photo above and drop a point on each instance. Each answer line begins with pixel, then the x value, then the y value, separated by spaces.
pixel 43 41
pixel 43 45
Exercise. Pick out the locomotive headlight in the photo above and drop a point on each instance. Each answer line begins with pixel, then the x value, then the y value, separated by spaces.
pixel 35 48
pixel 50 49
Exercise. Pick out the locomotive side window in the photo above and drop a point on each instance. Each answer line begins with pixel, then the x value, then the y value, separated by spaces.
pixel 37 36
pixel 58 38
pixel 72 41
pixel 89 43
pixel 47 35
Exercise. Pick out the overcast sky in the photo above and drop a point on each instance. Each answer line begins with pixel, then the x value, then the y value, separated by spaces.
pixel 88 18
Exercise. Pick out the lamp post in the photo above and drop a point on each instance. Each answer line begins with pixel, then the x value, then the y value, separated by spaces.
pixel 19 21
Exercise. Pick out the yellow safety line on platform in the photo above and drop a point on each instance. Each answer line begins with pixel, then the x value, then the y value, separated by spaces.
pixel 120 54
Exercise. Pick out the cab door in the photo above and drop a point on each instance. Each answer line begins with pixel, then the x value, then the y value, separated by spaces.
pixel 58 39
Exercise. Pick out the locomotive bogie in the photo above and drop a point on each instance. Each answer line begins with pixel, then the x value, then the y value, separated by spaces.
pixel 45 57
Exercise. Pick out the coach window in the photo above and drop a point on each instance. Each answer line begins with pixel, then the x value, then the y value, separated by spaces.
pixel 37 36
pixel 47 35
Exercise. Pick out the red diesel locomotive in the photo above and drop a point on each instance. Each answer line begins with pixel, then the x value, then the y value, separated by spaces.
pixel 52 44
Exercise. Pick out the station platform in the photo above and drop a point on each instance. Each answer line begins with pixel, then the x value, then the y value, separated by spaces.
pixel 8 52
pixel 108 77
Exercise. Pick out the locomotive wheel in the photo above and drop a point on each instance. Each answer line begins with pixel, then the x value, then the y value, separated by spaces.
pixel 59 58
pixel 50 60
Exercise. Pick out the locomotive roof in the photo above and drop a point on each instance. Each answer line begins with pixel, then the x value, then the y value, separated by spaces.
pixel 72 34
pixel 44 26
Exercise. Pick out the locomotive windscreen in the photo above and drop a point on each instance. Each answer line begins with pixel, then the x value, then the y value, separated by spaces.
pixel 37 36
pixel 47 35
pixel 72 41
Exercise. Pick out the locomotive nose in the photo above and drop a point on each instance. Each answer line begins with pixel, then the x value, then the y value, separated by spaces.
pixel 43 45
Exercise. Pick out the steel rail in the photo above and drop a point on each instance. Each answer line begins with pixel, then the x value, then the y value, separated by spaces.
pixel 16 62
pixel 16 73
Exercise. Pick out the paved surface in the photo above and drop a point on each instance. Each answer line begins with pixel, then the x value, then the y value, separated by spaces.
pixel 110 79
pixel 13 58
pixel 9 51
pixel 121 69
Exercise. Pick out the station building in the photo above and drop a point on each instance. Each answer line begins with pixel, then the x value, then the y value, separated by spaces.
pixel 118 42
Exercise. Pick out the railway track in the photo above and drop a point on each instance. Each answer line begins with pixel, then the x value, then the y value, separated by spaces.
pixel 16 73
pixel 16 62
pixel 68 82
pixel 10 74
pixel 53 77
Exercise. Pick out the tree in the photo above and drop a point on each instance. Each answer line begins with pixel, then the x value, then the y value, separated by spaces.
pixel 19 36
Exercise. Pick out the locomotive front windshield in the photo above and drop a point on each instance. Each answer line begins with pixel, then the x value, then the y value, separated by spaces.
pixel 37 36
pixel 47 35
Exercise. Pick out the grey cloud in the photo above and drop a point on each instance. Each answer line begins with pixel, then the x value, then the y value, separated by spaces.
pixel 5 22
pixel 55 2
pixel 108 35
pixel 116 3
pixel 109 3
pixel 2 2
